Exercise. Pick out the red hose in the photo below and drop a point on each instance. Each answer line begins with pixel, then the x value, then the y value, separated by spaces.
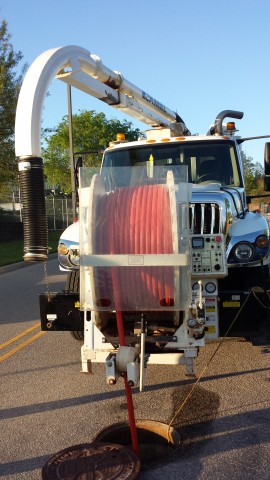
pixel 134 220
pixel 114 239
pixel 131 416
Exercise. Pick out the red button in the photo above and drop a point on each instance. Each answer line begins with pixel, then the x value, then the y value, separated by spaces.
pixel 218 239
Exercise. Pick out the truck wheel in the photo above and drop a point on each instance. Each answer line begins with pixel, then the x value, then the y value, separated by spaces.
pixel 73 285
pixel 78 335
pixel 73 282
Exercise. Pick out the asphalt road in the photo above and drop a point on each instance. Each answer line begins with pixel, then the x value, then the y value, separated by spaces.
pixel 48 405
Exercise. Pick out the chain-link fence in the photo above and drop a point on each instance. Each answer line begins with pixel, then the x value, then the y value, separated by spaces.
pixel 59 212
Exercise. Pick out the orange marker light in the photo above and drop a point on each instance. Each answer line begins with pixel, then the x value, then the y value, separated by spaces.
pixel 62 249
pixel 262 241
pixel 120 137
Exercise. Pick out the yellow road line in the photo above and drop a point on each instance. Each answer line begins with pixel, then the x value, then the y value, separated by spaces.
pixel 19 336
pixel 22 345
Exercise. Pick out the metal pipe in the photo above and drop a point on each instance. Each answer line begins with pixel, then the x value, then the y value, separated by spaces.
pixel 226 113
pixel 71 152
pixel 142 370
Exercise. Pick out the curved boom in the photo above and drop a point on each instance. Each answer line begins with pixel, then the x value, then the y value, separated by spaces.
pixel 78 68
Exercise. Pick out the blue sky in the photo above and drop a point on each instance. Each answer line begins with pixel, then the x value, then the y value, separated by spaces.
pixel 197 57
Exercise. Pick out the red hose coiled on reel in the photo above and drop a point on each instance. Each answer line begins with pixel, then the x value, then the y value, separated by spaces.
pixel 135 221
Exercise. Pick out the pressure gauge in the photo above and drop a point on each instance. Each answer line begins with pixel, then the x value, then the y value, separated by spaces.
pixel 192 322
pixel 195 286
pixel 210 287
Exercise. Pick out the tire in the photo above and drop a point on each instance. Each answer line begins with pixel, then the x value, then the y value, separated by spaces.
pixel 78 335
pixel 73 282
pixel 73 285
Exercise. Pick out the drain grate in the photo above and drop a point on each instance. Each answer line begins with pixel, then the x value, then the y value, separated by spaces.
pixel 98 460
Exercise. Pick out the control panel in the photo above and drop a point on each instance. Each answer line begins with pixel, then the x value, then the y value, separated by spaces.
pixel 208 256
pixel 209 293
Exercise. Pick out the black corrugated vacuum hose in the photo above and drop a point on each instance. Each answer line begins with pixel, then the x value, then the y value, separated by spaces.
pixel 34 215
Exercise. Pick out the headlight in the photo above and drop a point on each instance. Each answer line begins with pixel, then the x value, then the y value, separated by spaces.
pixel 262 241
pixel 243 252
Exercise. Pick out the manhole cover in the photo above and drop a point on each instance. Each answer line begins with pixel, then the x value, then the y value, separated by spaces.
pixel 93 461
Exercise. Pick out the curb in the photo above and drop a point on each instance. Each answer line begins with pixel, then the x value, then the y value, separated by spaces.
pixel 23 264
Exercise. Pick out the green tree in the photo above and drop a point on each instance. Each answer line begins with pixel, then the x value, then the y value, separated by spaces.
pixel 253 174
pixel 10 83
pixel 92 132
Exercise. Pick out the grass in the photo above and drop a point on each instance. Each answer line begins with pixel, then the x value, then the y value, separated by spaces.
pixel 12 252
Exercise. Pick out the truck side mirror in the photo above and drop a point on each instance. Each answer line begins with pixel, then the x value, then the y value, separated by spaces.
pixel 267 158
pixel 78 163
pixel 267 167
pixel 266 179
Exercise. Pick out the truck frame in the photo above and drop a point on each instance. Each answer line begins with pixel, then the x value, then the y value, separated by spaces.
pixel 132 301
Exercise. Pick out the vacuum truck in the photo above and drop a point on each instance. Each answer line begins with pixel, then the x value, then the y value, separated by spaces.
pixel 166 254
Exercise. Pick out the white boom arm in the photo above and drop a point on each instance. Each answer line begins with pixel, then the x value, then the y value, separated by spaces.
pixel 78 68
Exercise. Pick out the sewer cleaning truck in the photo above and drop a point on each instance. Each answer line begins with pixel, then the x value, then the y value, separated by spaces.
pixel 166 254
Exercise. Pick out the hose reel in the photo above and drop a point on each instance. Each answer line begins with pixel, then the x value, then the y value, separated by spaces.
pixel 134 249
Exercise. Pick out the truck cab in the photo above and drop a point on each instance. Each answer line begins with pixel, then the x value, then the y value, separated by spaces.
pixel 215 176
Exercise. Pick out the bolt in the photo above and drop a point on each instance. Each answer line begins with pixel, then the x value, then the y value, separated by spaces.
pixel 109 364
pixel 112 381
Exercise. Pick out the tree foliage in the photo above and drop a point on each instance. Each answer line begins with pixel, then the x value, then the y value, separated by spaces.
pixel 92 132
pixel 253 174
pixel 10 83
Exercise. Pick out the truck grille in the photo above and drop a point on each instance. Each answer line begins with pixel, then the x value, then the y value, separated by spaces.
pixel 204 218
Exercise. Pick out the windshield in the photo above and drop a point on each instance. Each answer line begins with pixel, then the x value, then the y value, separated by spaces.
pixel 207 161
